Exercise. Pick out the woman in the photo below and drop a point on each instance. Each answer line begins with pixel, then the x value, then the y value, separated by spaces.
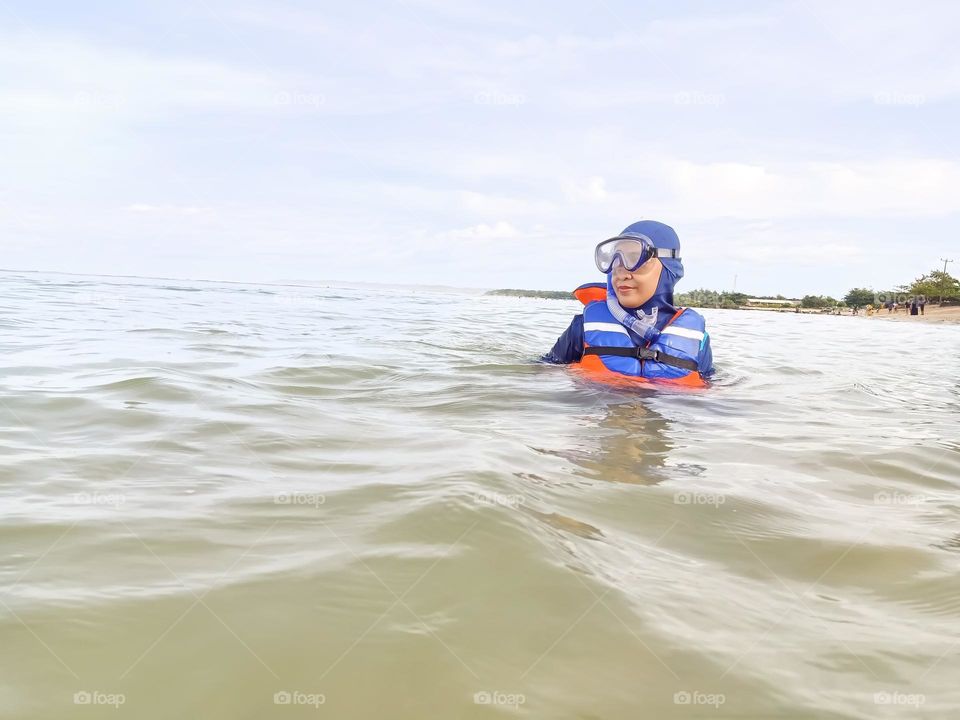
pixel 630 326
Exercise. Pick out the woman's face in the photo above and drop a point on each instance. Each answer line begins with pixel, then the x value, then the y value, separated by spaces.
pixel 633 289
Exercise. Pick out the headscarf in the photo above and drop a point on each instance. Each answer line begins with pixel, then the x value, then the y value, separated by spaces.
pixel 647 320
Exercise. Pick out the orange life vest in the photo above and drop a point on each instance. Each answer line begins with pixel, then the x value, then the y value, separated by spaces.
pixel 592 367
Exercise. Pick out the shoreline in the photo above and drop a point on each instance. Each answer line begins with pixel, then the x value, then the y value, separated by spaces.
pixel 934 314
pixel 949 315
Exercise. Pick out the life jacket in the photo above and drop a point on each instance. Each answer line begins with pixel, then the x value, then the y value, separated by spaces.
pixel 610 354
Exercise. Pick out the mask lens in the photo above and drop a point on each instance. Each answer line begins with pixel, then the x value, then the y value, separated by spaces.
pixel 632 253
pixel 604 255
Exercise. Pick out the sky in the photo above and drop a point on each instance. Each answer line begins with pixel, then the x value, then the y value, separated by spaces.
pixel 796 147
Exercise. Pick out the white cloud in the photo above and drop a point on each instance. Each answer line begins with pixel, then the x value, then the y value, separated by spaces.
pixel 291 132
pixel 591 190
pixel 73 77
pixel 497 231
pixel 286 20
pixel 168 209
pixel 903 187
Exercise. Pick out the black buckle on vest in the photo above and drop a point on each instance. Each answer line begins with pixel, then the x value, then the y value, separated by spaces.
pixel 639 353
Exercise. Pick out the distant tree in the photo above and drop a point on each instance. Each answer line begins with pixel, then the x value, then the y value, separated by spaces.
pixel 812 301
pixel 700 297
pixel 548 294
pixel 934 285
pixel 858 297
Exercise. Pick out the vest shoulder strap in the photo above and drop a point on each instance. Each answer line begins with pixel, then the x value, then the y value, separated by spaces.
pixel 591 292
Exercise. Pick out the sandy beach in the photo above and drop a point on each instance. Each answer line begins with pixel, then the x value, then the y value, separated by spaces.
pixel 932 314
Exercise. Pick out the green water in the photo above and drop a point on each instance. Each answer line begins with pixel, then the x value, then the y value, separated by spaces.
pixel 230 501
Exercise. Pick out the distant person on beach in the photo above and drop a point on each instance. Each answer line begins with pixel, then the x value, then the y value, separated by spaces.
pixel 914 307
pixel 922 302
pixel 629 324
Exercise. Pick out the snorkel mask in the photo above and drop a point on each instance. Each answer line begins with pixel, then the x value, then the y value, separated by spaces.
pixel 636 245
pixel 631 250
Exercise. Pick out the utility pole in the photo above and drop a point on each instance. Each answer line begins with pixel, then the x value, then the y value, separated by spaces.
pixel 944 281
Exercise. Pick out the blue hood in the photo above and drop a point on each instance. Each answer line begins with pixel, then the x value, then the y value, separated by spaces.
pixel 663 236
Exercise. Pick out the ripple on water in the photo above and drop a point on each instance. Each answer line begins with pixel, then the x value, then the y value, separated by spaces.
pixel 432 514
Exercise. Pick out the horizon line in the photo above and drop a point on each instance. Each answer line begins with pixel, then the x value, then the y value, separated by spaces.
pixel 272 283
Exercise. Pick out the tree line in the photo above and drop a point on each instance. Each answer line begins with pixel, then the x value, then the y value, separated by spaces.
pixel 934 286
pixel 733 300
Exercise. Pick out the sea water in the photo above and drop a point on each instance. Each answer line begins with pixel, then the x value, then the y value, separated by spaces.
pixel 237 501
